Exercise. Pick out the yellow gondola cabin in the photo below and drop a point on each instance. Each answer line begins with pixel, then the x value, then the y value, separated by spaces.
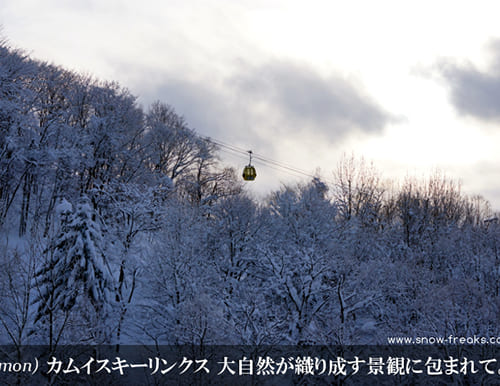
pixel 249 172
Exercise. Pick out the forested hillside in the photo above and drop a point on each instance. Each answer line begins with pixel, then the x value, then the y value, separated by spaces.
pixel 118 225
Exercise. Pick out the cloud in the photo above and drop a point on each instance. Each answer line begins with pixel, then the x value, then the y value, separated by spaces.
pixel 203 105
pixel 299 96
pixel 273 98
pixel 474 92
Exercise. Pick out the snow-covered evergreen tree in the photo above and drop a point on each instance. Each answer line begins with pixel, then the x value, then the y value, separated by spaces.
pixel 77 268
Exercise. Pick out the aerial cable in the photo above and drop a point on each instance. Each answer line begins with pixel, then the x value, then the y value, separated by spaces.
pixel 271 166
pixel 229 150
pixel 292 173
pixel 223 144
pixel 284 166
pixel 266 161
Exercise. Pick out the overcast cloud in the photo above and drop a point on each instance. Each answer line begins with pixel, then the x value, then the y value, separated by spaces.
pixel 474 92
pixel 300 97
pixel 281 92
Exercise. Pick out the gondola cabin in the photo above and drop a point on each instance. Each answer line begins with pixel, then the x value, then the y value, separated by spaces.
pixel 249 173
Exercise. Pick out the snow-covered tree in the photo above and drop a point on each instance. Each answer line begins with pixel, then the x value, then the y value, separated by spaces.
pixel 16 124
pixel 171 144
pixel 181 295
pixel 76 269
pixel 357 191
pixel 297 256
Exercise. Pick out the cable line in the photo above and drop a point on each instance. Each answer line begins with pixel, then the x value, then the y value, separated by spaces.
pixel 295 174
pixel 280 166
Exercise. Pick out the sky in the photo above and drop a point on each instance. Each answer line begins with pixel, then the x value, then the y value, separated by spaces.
pixel 410 86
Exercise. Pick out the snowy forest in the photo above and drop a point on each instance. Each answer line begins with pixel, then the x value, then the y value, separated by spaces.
pixel 119 224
